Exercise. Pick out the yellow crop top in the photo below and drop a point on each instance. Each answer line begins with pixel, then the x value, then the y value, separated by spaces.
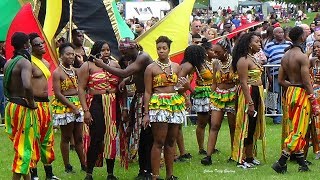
pixel 69 83
pixel 162 79
pixel 226 78
pixel 204 78
pixel 254 75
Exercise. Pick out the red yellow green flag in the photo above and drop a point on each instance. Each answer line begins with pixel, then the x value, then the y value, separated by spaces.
pixel 175 26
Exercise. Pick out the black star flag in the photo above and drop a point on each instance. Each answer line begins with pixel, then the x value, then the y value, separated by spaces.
pixel 99 19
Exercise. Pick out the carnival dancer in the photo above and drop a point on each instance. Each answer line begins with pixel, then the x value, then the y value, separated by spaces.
pixel 223 96
pixel 20 116
pixel 250 118
pixel 300 99
pixel 164 108
pixel 195 60
pixel 314 129
pixel 137 63
pixel 40 75
pixel 66 108
pixel 101 108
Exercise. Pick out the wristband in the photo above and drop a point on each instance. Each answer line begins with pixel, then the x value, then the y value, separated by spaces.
pixel 85 110
pixel 250 103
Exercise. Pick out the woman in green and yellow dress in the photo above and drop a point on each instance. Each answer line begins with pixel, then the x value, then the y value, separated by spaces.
pixel 250 118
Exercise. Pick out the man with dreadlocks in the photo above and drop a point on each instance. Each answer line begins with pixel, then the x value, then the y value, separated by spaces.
pixel 300 100
pixel 134 73
pixel 20 119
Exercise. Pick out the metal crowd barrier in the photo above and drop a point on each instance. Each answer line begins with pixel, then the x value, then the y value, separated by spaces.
pixel 268 112
pixel 2 101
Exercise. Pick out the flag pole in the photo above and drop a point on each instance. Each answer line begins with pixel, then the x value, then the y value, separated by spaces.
pixel 70 20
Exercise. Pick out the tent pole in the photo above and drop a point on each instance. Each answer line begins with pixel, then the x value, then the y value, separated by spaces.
pixel 70 20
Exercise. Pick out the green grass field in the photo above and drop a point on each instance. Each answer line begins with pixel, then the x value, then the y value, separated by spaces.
pixel 192 169
pixel 310 17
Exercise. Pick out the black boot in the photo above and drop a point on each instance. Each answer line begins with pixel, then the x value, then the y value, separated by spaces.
pixel 49 173
pixel 303 167
pixel 34 174
pixel 281 165
pixel 69 169
pixel 202 152
pixel 206 161
pixel 278 168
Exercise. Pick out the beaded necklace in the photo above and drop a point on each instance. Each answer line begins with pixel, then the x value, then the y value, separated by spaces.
pixel 209 65
pixel 67 70
pixel 163 67
pixel 71 75
pixel 255 61
pixel 225 68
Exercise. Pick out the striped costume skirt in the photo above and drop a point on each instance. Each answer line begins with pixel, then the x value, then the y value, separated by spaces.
pixel 299 109
pixel 167 108
pixel 21 126
pixel 201 99
pixel 62 114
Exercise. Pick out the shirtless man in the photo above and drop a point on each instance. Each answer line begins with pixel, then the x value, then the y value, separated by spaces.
pixel 19 115
pixel 40 76
pixel 77 41
pixel 300 100
pixel 138 61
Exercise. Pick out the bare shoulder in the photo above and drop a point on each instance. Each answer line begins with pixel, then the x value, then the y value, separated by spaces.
pixel 242 63
pixel 23 62
pixel 150 66
pixel 302 58
pixel 143 58
pixel 114 63
pixel 56 72
pixel 174 64
pixel 243 60
pixel 85 65
pixel 186 65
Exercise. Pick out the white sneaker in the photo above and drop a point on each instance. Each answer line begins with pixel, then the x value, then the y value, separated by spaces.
pixel 245 165
pixel 256 162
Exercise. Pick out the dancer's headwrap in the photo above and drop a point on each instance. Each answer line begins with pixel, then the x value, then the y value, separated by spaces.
pixel 127 43
pixel 225 43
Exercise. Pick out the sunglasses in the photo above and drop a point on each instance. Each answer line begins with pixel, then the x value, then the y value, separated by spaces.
pixel 38 44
